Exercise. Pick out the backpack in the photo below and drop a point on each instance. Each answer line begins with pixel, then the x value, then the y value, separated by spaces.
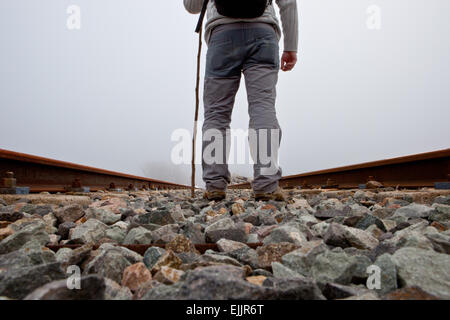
pixel 240 9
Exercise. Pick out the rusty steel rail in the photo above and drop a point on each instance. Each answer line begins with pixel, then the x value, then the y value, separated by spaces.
pixel 141 248
pixel 413 171
pixel 43 174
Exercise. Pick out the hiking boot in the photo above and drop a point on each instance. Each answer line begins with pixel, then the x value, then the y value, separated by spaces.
pixel 215 195
pixel 277 195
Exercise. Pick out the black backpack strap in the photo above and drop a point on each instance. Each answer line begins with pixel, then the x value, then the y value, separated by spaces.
pixel 202 16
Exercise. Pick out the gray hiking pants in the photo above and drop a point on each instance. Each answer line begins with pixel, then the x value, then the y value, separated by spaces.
pixel 251 49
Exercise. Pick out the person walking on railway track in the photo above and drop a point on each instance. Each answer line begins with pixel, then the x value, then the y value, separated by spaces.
pixel 243 38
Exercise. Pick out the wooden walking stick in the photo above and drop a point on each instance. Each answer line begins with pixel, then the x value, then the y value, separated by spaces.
pixel 197 93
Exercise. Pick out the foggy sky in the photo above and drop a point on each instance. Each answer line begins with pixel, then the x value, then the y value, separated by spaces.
pixel 111 94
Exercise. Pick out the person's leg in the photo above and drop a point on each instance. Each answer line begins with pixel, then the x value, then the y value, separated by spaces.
pixel 261 76
pixel 222 79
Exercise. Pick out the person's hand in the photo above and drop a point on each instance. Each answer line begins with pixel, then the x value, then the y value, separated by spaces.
pixel 288 60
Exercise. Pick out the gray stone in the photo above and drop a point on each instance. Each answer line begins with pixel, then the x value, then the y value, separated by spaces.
pixel 329 213
pixel 425 269
pixel 17 283
pixel 234 234
pixel 116 234
pixel 202 284
pixel 413 210
pixel 388 273
pixel 31 254
pixel 138 235
pixel 389 224
pixel 335 267
pixel 28 208
pixel 357 210
pixel 351 251
pixel 31 232
pixel 160 217
pixel 77 256
pixel 127 214
pixel 70 213
pixel 359 273
pixel 301 204
pixel 8 213
pixel 385 236
pixel 369 220
pixel 92 287
pixel 64 228
pixel 406 228
pixel 252 217
pixel 177 214
pixel 115 291
pixel 63 254
pixel 440 242
pixel 301 260
pixel 343 236
pixel 383 213
pixel 222 224
pixel 382 248
pixel 225 245
pixel 412 239
pixel 281 271
pixel 193 231
pixel 298 288
pixel 320 229
pixel 165 234
pixel 245 256
pixel 392 202
pixel 330 204
pixel 365 296
pixel 442 200
pixel 188 257
pixel 89 232
pixel 50 220
pixel 122 225
pixel 441 213
pixel 399 220
pixel 261 272
pixel 104 215
pixel 307 219
pixel 267 219
pixel 42 210
pixel 128 254
pixel 411 236
pixel 109 264
pixel 285 234
pixel 152 256
pixel 219 259
pixel 333 291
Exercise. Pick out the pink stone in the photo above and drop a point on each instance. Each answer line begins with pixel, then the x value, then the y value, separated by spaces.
pixel 135 276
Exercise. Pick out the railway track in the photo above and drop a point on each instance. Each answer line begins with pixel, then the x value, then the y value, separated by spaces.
pixel 42 174
pixel 29 173
pixel 431 169
pixel 263 233
pixel 142 248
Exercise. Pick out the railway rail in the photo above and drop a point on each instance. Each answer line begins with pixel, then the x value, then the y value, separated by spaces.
pixel 20 170
pixel 141 248
pixel 37 174
pixel 430 169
